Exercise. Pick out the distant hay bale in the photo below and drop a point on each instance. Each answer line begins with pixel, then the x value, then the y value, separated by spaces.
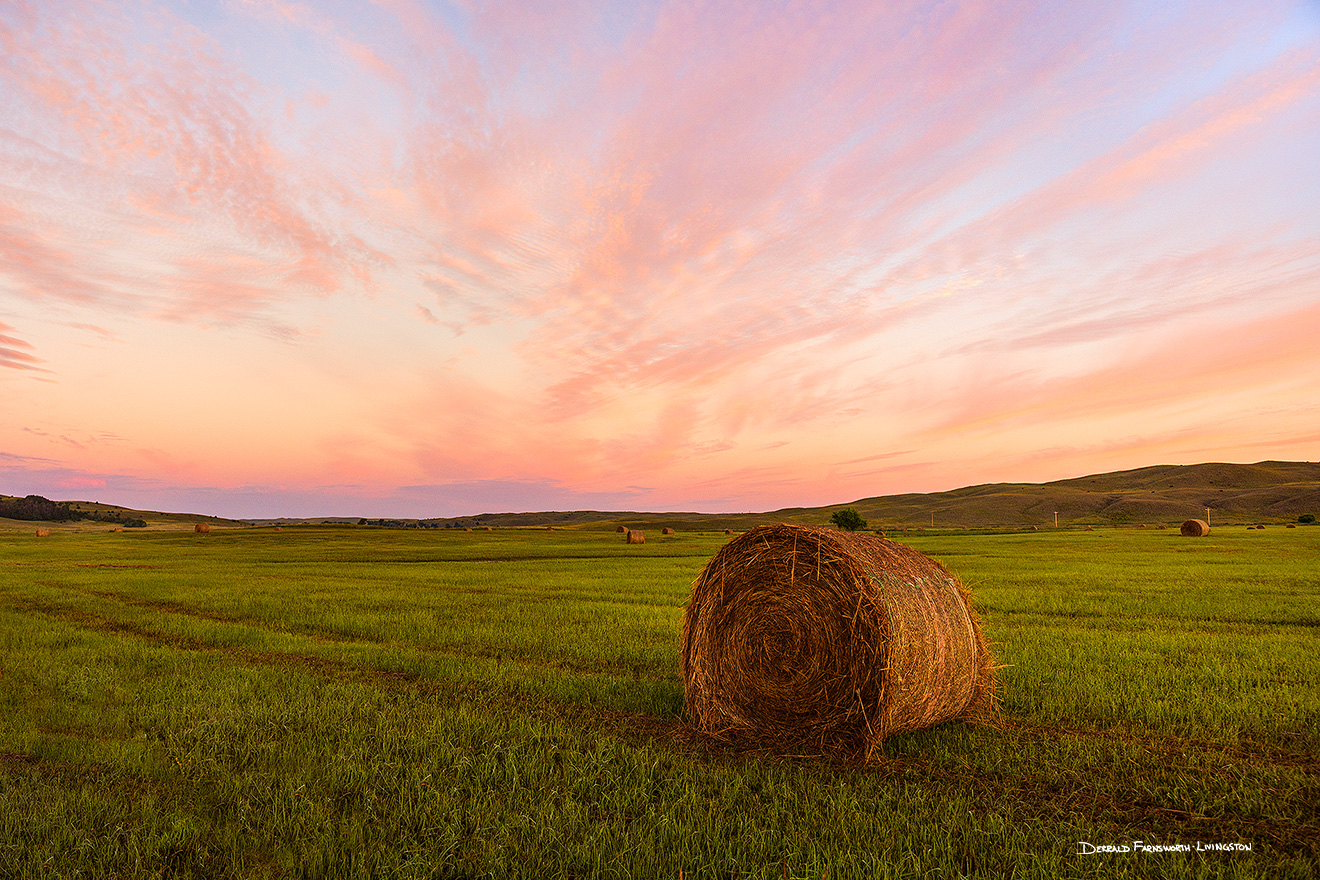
pixel 636 537
pixel 623 529
pixel 116 530
pixel 1195 528
pixel 668 531
pixel 490 528
pixel 807 637
pixel 1260 527
pixel 1035 528
pixel 1290 526
pixel 549 528
pixel 43 533
pixel 728 531
pixel 279 528
pixel 202 528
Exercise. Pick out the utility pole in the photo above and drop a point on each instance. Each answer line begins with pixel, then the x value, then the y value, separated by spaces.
pixel 932 519
pixel 1207 516
pixel 1056 519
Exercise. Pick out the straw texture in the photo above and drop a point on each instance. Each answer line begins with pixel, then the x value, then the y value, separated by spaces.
pixel 807 637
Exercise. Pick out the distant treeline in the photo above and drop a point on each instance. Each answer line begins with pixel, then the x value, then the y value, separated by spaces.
pixel 35 507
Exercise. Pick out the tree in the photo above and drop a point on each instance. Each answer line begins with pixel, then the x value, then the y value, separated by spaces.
pixel 849 519
pixel 1307 518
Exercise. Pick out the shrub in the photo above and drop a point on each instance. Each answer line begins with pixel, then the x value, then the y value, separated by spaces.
pixel 1306 518
pixel 848 519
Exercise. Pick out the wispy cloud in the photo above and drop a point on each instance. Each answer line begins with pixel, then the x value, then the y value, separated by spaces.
pixel 17 354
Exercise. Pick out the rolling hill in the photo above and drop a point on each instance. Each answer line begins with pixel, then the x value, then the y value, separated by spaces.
pixel 1264 492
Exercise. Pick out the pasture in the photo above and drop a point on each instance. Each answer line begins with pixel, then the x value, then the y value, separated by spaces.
pixel 339 701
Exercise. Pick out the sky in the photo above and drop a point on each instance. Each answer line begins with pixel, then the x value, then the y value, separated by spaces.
pixel 419 258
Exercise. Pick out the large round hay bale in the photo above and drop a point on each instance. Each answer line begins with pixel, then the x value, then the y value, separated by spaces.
pixel 666 531
pixel 635 536
pixel 1195 528
pixel 202 528
pixel 809 637
pixel 43 533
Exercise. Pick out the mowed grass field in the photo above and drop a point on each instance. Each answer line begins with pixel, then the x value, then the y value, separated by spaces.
pixel 351 702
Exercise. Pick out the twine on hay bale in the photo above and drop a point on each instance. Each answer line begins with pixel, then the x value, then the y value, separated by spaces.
pixel 202 528
pixel 635 537
pixel 1195 528
pixel 43 533
pixel 809 637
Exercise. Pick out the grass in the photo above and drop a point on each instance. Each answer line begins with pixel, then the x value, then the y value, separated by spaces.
pixel 328 702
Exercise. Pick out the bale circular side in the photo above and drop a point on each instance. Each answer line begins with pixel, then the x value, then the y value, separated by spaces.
pixel 808 637
pixel 1195 528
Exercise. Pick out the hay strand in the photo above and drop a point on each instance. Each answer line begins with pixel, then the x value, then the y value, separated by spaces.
pixel 1195 528
pixel 808 637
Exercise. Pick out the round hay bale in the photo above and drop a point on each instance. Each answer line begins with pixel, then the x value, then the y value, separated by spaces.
pixel 728 531
pixel 490 528
pixel 623 529
pixel 1195 528
pixel 810 637
pixel 202 528
pixel 1290 526
pixel 43 533
pixel 666 531
pixel 635 536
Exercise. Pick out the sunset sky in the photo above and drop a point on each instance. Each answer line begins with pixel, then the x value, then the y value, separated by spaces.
pixel 412 258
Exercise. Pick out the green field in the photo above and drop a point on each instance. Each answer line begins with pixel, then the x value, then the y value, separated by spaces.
pixel 337 701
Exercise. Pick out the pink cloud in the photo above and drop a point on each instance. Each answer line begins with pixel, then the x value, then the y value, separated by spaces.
pixel 16 354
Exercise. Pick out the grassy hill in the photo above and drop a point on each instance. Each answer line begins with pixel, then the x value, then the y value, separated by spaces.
pixel 1265 492
pixel 1268 491
pixel 154 519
